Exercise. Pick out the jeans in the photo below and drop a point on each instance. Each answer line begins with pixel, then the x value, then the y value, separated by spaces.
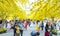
pixel 21 32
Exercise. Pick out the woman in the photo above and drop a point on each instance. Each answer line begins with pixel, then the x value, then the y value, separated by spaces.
pixel 17 30
pixel 37 27
pixel 46 33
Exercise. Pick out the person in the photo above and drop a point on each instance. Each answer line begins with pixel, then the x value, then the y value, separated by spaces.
pixel 6 22
pixel 17 30
pixel 35 33
pixel 55 25
pixel 42 25
pixel 14 29
pixel 51 30
pixel 46 33
pixel 46 27
pixel 29 22
pixel 21 25
pixel 0 23
pixel 8 26
pixel 26 24
pixel 37 26
pixel 50 33
pixel 52 27
pixel 58 25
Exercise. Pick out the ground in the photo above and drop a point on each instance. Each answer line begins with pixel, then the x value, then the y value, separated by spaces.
pixel 26 32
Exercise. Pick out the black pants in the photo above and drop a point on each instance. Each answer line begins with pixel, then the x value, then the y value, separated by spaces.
pixel 42 28
pixel 14 34
pixel 34 35
pixel 21 32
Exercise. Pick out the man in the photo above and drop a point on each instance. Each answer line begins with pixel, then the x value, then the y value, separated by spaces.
pixel 42 25
pixel 6 22
pixel 14 29
pixel 55 24
pixel 21 25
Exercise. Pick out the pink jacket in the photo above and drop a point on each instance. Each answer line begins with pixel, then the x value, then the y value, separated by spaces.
pixel 47 33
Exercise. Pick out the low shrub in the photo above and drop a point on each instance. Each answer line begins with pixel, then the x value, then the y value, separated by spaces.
pixel 54 32
pixel 3 30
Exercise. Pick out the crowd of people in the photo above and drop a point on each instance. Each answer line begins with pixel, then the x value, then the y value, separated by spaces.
pixel 20 25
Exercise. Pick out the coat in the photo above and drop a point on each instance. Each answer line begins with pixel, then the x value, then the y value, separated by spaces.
pixel 46 33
